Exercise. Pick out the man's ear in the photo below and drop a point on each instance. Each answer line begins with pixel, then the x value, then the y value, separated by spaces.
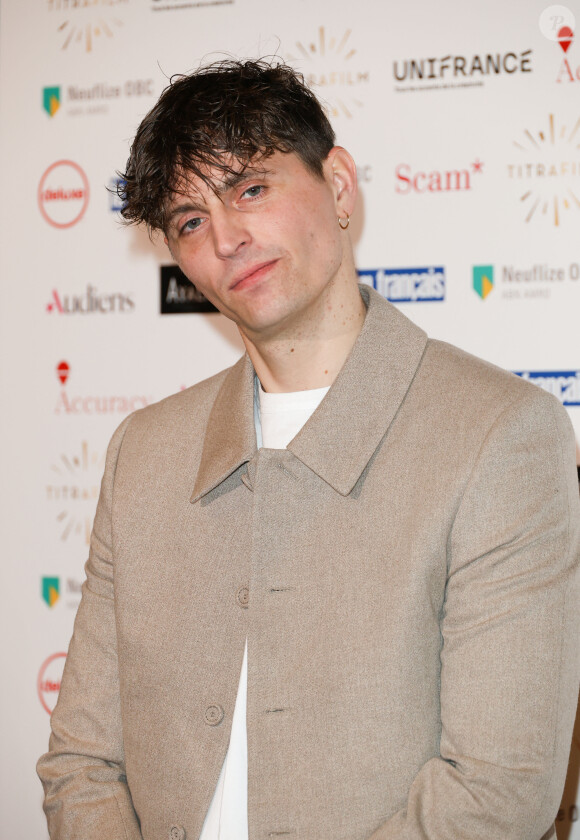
pixel 340 170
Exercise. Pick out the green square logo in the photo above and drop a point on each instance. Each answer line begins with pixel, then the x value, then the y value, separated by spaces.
pixel 483 280
pixel 50 590
pixel 51 100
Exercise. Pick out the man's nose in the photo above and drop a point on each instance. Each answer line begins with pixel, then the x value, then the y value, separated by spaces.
pixel 230 231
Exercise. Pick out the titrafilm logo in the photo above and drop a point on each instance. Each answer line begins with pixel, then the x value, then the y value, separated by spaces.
pixel 72 491
pixel 63 194
pixel 545 170
pixel 83 25
pixel 332 65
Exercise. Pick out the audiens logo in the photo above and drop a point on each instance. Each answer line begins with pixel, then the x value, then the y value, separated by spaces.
pixel 410 180
pixel 49 679
pixel 458 71
pixel 93 404
pixel 546 170
pixel 89 303
pixel 63 192
pixel 86 23
pixel 406 285
pixel 332 65
pixel 562 384
pixel 179 295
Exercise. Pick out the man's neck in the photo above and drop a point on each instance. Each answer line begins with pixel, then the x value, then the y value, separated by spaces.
pixel 309 357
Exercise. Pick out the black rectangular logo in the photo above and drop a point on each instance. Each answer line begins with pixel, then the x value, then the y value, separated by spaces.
pixel 179 295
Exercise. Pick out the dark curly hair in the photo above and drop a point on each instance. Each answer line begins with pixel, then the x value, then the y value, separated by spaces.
pixel 225 114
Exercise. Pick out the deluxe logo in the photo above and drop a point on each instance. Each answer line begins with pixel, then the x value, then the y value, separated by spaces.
pixel 68 403
pixel 407 285
pixel 562 384
pixel 86 23
pixel 409 180
pixel 51 100
pixel 483 280
pixel 50 590
pixel 90 303
pixel 333 66
pixel 453 71
pixel 546 171
pixel 73 490
pixel 179 295
pixel 177 5
pixel 49 680
pixel 63 194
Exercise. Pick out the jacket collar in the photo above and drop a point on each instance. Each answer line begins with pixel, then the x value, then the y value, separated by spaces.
pixel 341 436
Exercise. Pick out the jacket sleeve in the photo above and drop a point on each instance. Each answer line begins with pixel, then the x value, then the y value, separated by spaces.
pixel 509 660
pixel 83 774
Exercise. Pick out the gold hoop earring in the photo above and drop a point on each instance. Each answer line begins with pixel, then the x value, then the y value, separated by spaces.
pixel 340 222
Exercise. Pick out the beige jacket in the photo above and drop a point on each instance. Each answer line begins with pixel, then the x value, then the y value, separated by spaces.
pixel 405 573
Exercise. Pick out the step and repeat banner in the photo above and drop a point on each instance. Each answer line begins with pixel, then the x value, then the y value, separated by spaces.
pixel 464 120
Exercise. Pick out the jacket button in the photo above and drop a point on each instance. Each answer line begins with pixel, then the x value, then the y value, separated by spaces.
pixel 243 596
pixel 177 832
pixel 213 716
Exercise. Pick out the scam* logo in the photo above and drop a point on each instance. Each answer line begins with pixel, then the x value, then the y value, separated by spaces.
pixel 85 23
pixel 63 194
pixel 331 65
pixel 546 169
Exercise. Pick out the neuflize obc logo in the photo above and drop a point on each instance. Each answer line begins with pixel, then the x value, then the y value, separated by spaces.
pixel 407 285
pixel 563 384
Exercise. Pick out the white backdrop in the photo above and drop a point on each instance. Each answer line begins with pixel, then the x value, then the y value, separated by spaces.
pixel 464 119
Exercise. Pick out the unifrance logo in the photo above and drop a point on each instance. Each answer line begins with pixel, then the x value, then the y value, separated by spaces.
pixel 546 170
pixel 90 302
pixel 63 194
pixel 84 24
pixel 562 384
pixel 458 71
pixel 49 680
pixel 51 100
pixel 411 180
pixel 332 65
pixel 50 590
pixel 483 280
pixel 407 285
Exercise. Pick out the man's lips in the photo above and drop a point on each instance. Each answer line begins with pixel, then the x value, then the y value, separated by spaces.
pixel 251 274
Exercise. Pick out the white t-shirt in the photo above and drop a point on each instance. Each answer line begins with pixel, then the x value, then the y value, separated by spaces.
pixel 278 419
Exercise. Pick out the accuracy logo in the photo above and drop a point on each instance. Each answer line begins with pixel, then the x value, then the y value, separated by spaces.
pixel 562 384
pixel 546 170
pixel 50 590
pixel 332 66
pixel 49 680
pixel 63 194
pixel 407 285
pixel 84 24
pixel 51 100
pixel 483 280
pixel 94 404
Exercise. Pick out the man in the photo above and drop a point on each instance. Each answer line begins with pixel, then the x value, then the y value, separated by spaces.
pixel 332 591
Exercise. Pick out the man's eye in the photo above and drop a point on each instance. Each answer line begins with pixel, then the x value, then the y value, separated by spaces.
pixel 190 224
pixel 254 191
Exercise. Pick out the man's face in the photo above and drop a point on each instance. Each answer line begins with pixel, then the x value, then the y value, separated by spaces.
pixel 267 249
